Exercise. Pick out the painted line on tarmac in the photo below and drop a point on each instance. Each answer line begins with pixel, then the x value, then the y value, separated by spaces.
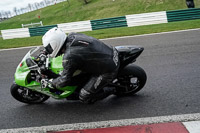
pixel 104 124
pixel 17 48
pixel 152 34
pixel 117 38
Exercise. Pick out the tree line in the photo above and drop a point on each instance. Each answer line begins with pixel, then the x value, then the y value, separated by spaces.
pixel 30 7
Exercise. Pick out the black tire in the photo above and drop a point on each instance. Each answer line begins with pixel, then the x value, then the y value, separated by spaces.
pixel 126 77
pixel 33 97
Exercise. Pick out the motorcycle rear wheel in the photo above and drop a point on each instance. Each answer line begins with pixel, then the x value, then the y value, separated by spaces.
pixel 132 78
pixel 28 96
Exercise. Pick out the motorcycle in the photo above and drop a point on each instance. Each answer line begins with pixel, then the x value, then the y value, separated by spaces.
pixel 29 87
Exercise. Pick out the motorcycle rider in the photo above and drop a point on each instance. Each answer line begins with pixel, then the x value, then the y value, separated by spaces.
pixel 83 53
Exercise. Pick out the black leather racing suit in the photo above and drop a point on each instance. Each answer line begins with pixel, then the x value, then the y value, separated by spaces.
pixel 89 55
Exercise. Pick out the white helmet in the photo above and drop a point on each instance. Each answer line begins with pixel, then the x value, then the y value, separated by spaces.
pixel 53 41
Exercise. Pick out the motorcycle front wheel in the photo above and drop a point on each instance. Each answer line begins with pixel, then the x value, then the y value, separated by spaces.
pixel 130 80
pixel 26 95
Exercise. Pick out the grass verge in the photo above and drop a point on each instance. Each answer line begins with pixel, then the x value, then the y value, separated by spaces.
pixel 108 33
pixel 75 11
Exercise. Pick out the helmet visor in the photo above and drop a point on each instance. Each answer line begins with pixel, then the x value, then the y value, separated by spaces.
pixel 49 49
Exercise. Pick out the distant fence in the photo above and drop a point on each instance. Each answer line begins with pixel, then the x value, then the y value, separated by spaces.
pixel 38 31
pixel 15 33
pixel 32 24
pixel 75 26
pixel 109 23
pixel 146 18
pixel 123 21
pixel 181 15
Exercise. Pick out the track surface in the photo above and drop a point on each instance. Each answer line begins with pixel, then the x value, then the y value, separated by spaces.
pixel 172 64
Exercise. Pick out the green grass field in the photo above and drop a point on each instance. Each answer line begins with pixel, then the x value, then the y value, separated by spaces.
pixel 97 9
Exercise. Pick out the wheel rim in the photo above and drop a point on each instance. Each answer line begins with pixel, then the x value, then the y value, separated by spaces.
pixel 130 83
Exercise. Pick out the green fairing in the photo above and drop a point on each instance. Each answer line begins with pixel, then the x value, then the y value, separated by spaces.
pixel 68 90
pixel 22 75
pixel 56 64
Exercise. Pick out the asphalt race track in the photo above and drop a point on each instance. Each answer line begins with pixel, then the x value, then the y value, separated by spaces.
pixel 172 64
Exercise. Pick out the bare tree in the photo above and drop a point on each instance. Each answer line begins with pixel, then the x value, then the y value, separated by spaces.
pixel 9 14
pixel 46 2
pixel 0 16
pixel 19 11
pixel 30 7
pixel 22 10
pixel 6 14
pixel 42 4
pixel 39 5
pixel 36 6
pixel 15 10
pixel 3 14
pixel 27 9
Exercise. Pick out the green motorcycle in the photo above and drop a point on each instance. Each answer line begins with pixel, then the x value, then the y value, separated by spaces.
pixel 29 87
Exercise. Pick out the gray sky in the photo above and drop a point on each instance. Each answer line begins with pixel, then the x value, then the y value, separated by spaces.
pixel 8 5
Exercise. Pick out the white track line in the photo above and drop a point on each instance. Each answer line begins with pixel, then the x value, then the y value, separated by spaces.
pixel 17 48
pixel 111 123
pixel 160 33
pixel 118 37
